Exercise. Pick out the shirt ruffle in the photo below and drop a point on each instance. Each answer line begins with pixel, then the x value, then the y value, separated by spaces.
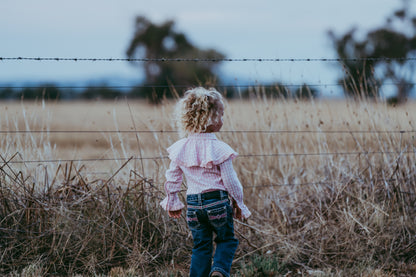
pixel 203 150
pixel 172 203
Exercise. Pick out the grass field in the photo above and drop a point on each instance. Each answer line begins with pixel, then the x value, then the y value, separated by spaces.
pixel 331 185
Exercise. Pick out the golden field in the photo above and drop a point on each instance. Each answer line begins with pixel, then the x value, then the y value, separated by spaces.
pixel 331 185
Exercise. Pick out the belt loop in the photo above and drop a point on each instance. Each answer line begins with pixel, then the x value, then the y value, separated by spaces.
pixel 223 195
pixel 199 199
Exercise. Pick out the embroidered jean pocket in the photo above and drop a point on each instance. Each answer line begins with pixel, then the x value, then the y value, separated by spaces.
pixel 192 219
pixel 218 216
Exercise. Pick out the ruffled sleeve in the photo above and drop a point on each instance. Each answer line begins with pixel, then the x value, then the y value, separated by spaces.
pixel 172 187
pixel 205 153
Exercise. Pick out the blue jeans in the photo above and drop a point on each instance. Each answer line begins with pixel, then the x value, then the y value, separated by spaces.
pixel 207 215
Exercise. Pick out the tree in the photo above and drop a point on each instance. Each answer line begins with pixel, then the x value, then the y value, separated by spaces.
pixel 46 91
pixel 389 48
pixel 152 41
pixel 100 93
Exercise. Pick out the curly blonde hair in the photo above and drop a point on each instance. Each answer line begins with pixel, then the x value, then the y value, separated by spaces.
pixel 198 109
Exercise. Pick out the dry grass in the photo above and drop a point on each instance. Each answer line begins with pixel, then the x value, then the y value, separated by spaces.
pixel 319 214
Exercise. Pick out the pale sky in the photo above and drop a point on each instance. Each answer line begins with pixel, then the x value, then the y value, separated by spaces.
pixel 239 29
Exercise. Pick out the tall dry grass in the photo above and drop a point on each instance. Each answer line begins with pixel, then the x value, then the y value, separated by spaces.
pixel 344 214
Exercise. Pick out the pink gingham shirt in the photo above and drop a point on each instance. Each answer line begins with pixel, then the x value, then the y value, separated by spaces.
pixel 207 165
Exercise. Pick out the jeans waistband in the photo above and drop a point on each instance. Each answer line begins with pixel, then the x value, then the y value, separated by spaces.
pixel 200 207
pixel 216 194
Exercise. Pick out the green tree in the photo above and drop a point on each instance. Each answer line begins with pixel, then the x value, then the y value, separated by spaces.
pixel 152 41
pixel 389 48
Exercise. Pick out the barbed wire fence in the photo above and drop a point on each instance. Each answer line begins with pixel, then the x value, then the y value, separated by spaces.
pixel 200 60
pixel 286 86
pixel 221 86
pixel 244 155
pixel 101 59
pixel 409 151
pixel 196 60
pixel 288 186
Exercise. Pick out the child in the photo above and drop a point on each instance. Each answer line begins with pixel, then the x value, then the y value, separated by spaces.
pixel 206 163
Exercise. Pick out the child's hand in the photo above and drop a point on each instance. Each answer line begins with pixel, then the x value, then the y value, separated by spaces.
pixel 175 214
pixel 236 210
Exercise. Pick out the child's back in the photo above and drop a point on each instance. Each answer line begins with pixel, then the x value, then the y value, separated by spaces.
pixel 206 163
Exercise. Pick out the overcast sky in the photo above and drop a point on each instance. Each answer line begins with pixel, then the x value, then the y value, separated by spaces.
pixel 239 29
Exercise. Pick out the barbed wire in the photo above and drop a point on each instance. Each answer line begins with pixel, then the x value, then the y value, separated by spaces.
pixel 327 183
pixel 89 59
pixel 242 156
pixel 224 131
pixel 187 86
pixel 176 86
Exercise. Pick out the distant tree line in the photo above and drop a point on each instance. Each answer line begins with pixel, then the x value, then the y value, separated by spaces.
pixel 54 92
pixel 381 56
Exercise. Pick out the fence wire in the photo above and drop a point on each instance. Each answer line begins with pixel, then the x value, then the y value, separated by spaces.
pixel 251 155
pixel 101 59
pixel 225 131
pixel 241 155
pixel 224 86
